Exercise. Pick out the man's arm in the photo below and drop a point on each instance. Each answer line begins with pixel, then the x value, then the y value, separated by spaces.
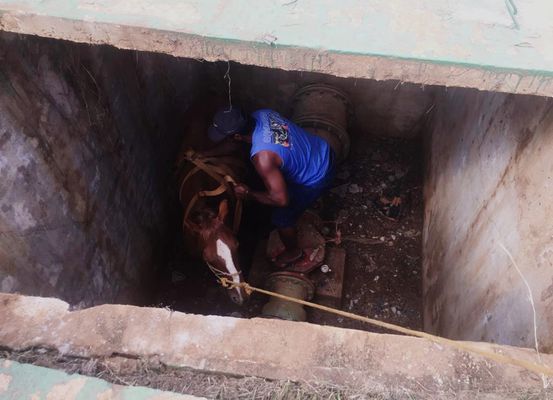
pixel 267 165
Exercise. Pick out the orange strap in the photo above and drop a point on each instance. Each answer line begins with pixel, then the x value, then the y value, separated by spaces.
pixel 221 174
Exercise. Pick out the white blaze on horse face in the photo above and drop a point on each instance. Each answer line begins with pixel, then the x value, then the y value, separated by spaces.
pixel 224 252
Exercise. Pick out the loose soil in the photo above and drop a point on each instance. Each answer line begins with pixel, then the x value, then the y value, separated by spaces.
pixel 383 261
pixel 383 256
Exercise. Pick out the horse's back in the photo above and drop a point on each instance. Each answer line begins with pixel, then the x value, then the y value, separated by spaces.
pixel 192 178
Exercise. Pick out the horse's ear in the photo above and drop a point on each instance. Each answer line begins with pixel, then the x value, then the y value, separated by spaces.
pixel 223 210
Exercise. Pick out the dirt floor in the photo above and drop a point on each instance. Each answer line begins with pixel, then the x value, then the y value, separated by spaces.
pixel 383 256
pixel 383 260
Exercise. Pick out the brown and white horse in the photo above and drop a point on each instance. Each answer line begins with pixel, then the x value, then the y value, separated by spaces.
pixel 205 228
pixel 219 247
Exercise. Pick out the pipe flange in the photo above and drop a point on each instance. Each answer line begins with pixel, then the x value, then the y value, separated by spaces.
pixel 324 89
pixel 292 279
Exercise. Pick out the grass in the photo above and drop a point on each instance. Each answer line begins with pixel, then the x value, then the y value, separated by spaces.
pixel 151 373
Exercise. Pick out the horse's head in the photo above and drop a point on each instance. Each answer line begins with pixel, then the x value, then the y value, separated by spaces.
pixel 219 247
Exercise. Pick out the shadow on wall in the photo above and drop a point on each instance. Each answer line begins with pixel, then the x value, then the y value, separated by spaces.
pixel 388 108
pixel 88 135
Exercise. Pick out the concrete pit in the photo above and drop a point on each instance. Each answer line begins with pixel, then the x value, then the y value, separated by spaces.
pixel 89 135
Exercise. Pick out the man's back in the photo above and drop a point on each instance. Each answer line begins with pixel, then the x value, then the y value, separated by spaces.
pixel 306 158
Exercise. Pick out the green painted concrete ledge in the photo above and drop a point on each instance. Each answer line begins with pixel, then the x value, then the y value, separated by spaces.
pixel 485 44
pixel 25 381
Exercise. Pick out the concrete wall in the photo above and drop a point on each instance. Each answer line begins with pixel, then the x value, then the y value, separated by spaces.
pixel 488 45
pixel 378 108
pixel 489 183
pixel 87 139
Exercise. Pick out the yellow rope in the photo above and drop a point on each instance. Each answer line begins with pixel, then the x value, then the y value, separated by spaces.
pixel 539 369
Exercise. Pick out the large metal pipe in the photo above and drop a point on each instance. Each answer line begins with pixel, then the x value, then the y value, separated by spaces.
pixel 324 110
pixel 289 284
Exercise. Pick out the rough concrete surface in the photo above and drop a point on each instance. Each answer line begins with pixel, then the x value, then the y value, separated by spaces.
pixel 84 167
pixel 481 44
pixel 489 183
pixel 376 108
pixel 23 381
pixel 259 347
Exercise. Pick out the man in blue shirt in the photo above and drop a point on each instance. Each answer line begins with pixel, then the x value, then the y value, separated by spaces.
pixel 296 167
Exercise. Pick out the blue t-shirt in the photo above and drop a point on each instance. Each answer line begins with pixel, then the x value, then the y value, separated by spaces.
pixel 306 158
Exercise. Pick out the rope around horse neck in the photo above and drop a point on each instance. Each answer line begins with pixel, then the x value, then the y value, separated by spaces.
pixel 537 368
pixel 219 274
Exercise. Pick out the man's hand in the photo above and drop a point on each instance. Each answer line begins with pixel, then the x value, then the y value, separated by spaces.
pixel 241 191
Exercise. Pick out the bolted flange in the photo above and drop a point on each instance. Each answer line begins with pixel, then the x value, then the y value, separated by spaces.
pixel 289 284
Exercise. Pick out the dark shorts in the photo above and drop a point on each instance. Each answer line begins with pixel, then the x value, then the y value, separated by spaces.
pixel 300 199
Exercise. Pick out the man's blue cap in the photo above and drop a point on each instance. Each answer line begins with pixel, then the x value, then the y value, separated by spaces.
pixel 226 122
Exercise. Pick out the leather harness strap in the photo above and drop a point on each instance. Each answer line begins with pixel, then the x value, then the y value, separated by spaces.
pixel 221 174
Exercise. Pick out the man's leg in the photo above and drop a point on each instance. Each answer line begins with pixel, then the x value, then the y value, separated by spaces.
pixel 289 237
pixel 301 198
pixel 285 219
